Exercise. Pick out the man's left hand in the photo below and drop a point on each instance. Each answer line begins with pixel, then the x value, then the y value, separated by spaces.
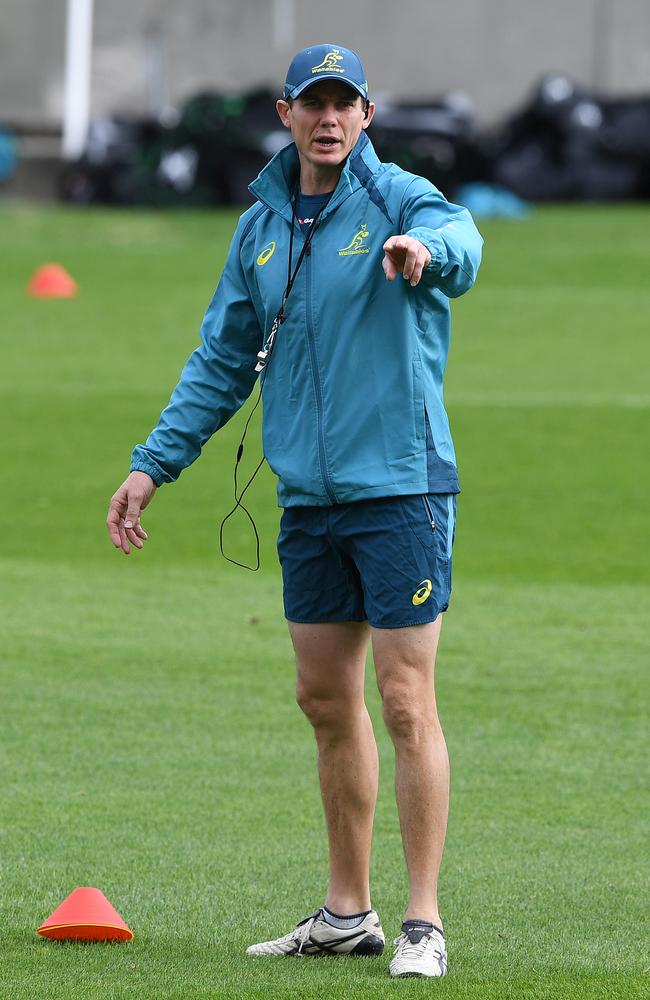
pixel 406 255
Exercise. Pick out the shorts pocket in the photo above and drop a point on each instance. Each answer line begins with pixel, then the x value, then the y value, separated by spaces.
pixel 421 519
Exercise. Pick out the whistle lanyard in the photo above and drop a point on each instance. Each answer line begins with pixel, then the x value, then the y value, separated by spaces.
pixel 263 361
pixel 264 355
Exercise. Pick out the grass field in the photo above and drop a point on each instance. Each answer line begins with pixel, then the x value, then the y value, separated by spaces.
pixel 150 742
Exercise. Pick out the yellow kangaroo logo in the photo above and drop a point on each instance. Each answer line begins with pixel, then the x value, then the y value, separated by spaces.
pixel 356 244
pixel 328 65
pixel 266 253
pixel 423 592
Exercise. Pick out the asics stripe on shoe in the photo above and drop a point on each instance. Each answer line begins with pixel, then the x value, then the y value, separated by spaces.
pixel 314 936
pixel 420 950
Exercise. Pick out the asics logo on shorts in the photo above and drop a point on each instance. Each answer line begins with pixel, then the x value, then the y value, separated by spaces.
pixel 423 592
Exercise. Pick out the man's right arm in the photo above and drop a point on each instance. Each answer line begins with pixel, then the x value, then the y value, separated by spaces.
pixel 216 381
pixel 214 384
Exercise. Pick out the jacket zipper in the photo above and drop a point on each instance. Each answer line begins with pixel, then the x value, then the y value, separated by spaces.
pixel 429 511
pixel 316 380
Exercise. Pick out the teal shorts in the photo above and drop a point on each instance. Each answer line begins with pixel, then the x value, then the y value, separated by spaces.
pixel 386 561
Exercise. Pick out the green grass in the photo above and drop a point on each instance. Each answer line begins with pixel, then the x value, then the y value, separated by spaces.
pixel 151 745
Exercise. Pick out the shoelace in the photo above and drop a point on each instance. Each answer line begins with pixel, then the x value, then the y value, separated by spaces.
pixel 407 949
pixel 304 930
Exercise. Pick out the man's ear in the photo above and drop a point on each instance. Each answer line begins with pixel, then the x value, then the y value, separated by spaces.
pixel 368 116
pixel 283 110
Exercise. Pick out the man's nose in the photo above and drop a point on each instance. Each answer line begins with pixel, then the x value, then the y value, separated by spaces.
pixel 328 115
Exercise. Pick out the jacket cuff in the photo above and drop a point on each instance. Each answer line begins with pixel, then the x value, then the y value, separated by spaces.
pixel 434 244
pixel 151 470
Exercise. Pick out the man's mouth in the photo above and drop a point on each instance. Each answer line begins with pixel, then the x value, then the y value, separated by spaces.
pixel 326 141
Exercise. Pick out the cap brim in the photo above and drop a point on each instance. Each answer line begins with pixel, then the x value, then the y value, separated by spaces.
pixel 301 88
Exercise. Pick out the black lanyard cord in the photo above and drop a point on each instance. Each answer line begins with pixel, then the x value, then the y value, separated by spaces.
pixel 264 358
pixel 238 499
pixel 264 355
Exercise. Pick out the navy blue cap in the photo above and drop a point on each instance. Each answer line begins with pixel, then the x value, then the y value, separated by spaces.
pixel 325 62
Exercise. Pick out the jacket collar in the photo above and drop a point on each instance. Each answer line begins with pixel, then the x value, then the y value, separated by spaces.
pixel 275 184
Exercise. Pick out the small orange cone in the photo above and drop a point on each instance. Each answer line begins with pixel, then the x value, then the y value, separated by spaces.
pixel 51 281
pixel 86 915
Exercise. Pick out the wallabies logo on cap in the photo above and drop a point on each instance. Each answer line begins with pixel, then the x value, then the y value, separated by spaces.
pixel 328 65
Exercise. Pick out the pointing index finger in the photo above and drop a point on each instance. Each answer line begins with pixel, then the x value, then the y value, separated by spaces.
pixel 411 258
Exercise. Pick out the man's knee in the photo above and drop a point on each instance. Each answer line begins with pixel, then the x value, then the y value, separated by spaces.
pixel 325 712
pixel 409 713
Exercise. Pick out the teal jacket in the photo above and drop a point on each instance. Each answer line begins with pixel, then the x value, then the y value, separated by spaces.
pixel 352 396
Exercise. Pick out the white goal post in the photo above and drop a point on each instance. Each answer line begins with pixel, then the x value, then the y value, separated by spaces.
pixel 76 99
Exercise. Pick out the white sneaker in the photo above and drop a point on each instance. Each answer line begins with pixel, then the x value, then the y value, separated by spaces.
pixel 314 936
pixel 420 950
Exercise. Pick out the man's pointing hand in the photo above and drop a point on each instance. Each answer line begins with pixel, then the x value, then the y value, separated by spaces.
pixel 123 520
pixel 406 255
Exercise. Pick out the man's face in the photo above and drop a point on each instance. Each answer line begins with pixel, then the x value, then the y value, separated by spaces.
pixel 325 121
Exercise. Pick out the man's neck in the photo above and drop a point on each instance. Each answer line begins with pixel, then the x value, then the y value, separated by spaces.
pixel 315 181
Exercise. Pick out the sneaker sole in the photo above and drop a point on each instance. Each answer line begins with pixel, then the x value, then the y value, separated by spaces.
pixel 369 947
pixel 413 975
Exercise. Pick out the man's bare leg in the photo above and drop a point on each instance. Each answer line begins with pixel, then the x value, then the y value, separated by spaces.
pixel 405 661
pixel 330 662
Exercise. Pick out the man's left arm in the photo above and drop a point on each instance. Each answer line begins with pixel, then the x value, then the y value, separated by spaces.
pixel 447 232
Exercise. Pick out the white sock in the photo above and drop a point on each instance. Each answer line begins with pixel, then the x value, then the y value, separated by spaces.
pixel 343 923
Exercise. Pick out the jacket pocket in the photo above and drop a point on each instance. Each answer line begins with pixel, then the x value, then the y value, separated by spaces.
pixel 418 399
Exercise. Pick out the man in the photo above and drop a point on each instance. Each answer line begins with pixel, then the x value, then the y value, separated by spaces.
pixel 351 363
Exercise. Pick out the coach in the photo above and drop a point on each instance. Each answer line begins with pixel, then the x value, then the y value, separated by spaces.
pixel 351 363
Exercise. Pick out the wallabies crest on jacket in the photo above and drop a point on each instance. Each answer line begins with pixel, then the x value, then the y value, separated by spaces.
pixel 356 245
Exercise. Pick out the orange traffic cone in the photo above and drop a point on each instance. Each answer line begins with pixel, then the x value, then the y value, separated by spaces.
pixel 51 281
pixel 86 915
